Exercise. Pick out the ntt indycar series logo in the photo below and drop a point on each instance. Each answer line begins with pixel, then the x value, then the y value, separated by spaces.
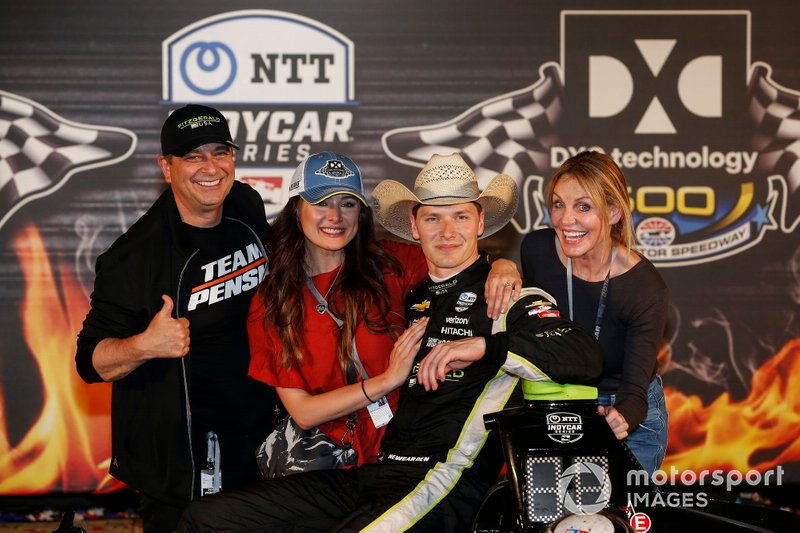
pixel 710 144
pixel 284 82
pixel 564 428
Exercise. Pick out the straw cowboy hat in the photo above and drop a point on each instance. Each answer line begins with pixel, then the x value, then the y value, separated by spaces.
pixel 444 180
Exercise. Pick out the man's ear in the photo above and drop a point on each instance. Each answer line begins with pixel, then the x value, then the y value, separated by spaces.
pixel 481 222
pixel 414 232
pixel 163 164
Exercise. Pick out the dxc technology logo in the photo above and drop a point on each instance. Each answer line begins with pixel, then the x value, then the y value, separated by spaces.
pixel 707 141
pixel 611 85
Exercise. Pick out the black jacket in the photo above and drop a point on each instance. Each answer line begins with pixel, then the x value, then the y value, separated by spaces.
pixel 531 341
pixel 150 420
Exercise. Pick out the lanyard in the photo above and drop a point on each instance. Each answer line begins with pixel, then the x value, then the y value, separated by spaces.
pixel 379 411
pixel 351 378
pixel 601 305
pixel 348 436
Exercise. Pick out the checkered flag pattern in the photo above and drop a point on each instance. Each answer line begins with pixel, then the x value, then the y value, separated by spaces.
pixel 39 151
pixel 540 490
pixel 775 111
pixel 509 134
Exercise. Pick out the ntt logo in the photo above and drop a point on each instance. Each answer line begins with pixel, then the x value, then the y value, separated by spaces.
pixel 258 56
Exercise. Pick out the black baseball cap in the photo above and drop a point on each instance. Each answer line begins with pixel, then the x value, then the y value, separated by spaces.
pixel 192 126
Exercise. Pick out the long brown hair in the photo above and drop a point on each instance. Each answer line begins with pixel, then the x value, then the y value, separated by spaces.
pixel 605 184
pixel 358 294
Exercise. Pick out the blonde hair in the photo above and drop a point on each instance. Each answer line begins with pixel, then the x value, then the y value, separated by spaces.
pixel 605 184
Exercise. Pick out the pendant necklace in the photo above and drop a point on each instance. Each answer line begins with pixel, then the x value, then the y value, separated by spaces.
pixel 322 306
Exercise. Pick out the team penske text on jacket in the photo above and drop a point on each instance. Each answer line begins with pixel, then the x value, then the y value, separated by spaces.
pixel 229 276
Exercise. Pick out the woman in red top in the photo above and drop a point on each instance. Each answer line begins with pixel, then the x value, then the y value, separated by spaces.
pixel 323 242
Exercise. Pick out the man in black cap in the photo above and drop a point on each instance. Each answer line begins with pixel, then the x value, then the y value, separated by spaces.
pixel 167 326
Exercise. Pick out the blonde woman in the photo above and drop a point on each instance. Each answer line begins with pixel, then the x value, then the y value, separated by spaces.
pixel 587 263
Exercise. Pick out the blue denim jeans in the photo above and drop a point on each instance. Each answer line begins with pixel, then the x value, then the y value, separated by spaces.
pixel 649 442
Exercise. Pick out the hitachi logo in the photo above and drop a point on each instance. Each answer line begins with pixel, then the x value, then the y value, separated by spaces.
pixel 459 332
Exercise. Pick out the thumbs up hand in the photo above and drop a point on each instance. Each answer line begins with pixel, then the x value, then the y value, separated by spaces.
pixel 166 336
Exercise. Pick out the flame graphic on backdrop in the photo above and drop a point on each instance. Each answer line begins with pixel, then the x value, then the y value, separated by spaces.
pixel 68 446
pixel 758 433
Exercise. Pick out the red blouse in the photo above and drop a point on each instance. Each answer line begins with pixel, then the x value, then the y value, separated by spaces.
pixel 319 371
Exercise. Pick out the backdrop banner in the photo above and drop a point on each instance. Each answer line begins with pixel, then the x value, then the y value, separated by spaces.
pixel 698 103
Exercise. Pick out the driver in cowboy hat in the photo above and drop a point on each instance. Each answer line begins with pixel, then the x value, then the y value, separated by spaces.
pixel 437 459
